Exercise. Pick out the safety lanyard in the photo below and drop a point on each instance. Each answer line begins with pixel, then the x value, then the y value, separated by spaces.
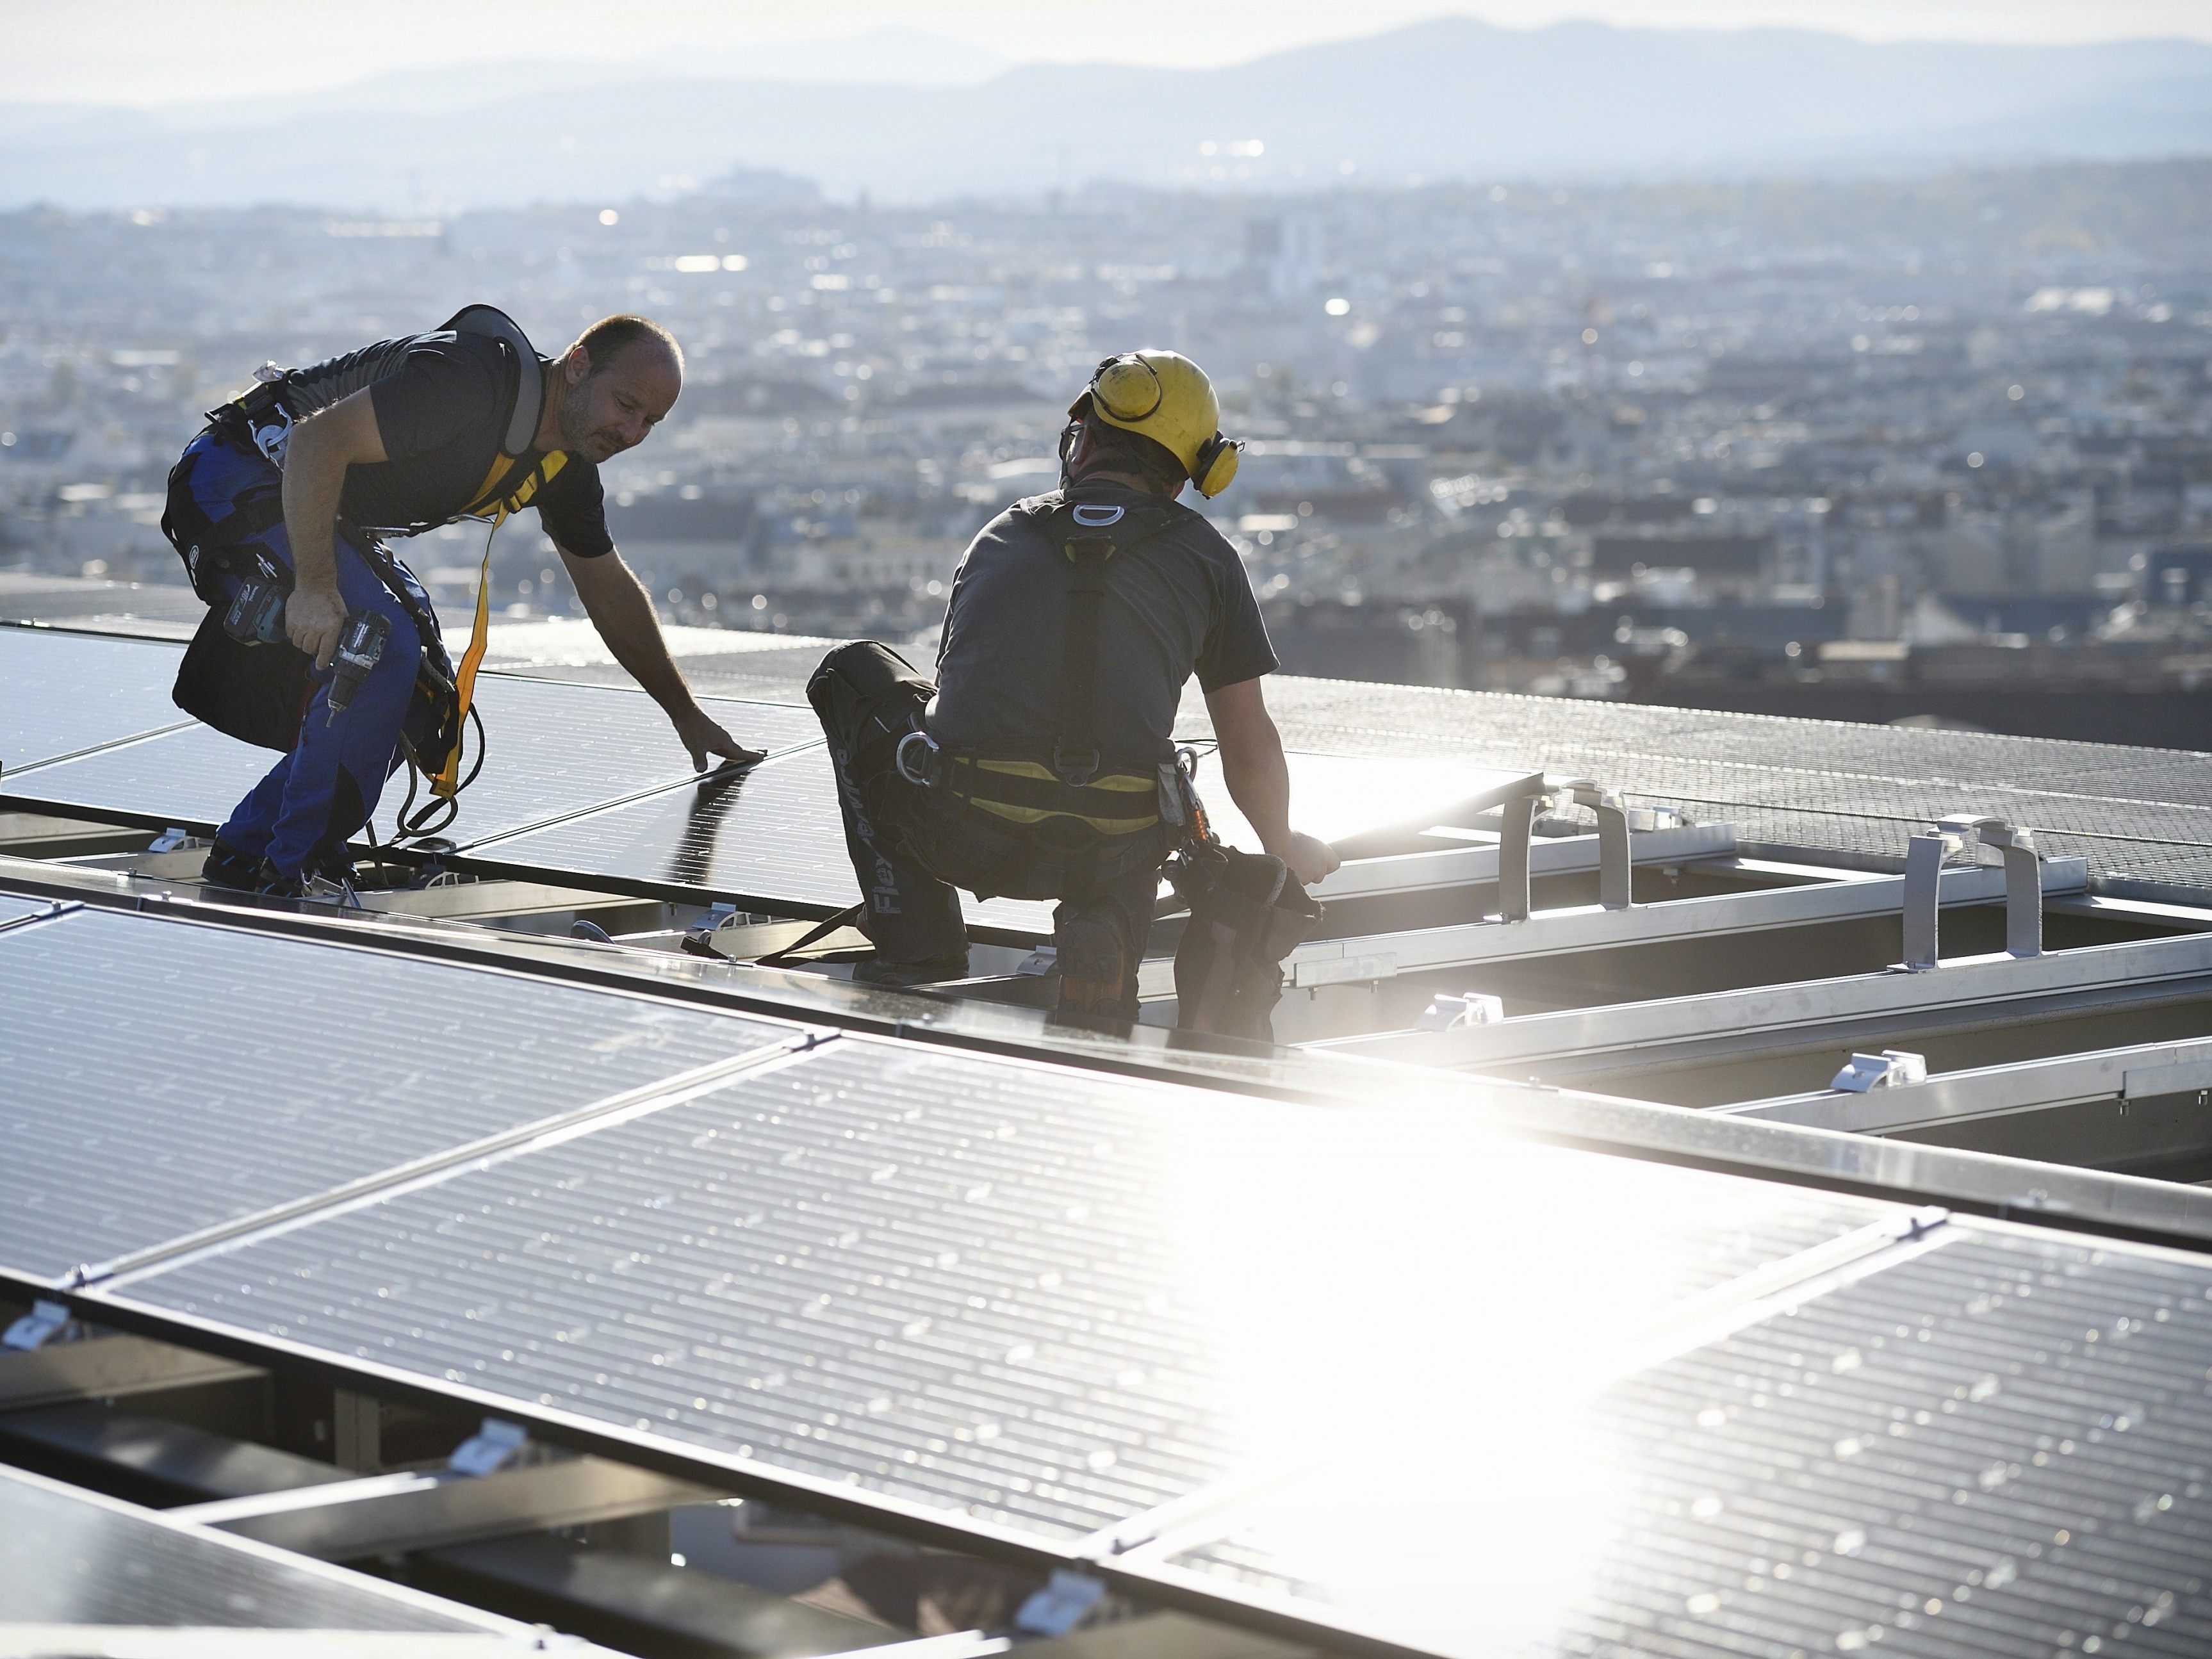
pixel 447 783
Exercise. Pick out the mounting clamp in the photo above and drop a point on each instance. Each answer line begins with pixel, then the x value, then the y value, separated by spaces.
pixel 1883 1071
pixel 46 1322
pixel 1447 1013
pixel 1615 865
pixel 1923 874
pixel 496 1444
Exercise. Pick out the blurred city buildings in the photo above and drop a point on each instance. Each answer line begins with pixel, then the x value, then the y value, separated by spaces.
pixel 1935 448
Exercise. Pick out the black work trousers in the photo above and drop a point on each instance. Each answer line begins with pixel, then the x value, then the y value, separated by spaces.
pixel 930 843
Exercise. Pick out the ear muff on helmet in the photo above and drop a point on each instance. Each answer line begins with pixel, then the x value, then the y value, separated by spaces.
pixel 1215 467
pixel 1128 387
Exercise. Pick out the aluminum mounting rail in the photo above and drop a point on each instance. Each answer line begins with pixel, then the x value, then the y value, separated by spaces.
pixel 1561 855
pixel 1622 1034
pixel 2140 1071
pixel 1828 895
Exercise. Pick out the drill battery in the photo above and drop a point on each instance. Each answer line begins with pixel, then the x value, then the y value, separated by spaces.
pixel 256 617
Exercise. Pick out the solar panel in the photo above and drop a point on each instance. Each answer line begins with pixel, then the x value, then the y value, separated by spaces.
pixel 65 693
pixel 553 749
pixel 1024 1296
pixel 190 777
pixel 1996 1447
pixel 163 1078
pixel 772 835
pixel 70 1557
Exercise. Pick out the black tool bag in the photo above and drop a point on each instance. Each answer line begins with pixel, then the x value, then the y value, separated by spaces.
pixel 1247 915
pixel 255 693
pixel 868 697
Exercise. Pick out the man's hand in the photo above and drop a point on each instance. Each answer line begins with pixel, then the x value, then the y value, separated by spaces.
pixel 314 617
pixel 703 737
pixel 1309 859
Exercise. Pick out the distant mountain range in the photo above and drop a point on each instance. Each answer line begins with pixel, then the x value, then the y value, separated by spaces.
pixel 1453 98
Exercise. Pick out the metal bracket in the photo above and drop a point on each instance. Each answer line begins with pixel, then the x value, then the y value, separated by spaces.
pixel 1923 874
pixel 1064 1603
pixel 1883 1071
pixel 698 936
pixel 1045 959
pixel 45 1322
pixel 1447 1013
pixel 1615 862
pixel 496 1444
pixel 174 840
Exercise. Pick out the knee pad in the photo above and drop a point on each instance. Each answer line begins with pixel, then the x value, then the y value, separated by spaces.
pixel 1096 976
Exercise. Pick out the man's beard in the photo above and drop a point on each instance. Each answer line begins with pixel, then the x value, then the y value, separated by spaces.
pixel 576 417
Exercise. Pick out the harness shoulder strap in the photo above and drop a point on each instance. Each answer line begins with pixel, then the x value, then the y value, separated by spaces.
pixel 1088 535
pixel 492 323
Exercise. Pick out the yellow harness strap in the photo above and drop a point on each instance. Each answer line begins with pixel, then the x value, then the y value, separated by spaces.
pixel 447 783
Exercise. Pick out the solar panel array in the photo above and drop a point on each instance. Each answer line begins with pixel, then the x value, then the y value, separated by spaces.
pixel 162 1079
pixel 2141 817
pixel 1450 1390
pixel 68 1557
pixel 973 1285
pixel 1997 1447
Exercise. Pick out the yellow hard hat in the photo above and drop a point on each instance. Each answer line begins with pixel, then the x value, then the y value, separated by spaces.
pixel 1165 397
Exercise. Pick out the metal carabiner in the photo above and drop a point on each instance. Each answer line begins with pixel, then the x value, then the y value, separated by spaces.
pixel 927 776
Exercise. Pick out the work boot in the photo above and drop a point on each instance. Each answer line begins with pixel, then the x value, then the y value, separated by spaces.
pixel 226 867
pixel 271 883
pixel 1095 981
pixel 882 970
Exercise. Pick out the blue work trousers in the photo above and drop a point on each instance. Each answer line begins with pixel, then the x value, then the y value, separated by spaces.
pixel 318 796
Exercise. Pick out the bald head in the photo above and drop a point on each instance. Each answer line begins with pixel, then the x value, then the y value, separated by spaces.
pixel 617 383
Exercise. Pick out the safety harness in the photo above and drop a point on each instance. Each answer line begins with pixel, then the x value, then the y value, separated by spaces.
pixel 1114 797
pixel 260 419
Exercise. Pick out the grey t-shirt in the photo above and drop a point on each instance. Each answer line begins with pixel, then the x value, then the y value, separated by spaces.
pixel 1177 602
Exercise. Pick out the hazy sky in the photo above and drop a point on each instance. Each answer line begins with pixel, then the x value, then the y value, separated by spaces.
pixel 153 51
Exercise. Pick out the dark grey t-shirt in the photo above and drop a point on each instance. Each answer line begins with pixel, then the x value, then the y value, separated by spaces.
pixel 1177 602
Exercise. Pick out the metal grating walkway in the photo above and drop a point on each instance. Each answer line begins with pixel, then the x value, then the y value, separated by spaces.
pixel 2143 817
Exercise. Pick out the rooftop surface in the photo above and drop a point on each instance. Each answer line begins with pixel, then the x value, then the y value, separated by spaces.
pixel 1217 1326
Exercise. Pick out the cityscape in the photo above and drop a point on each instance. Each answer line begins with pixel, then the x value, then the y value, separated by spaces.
pixel 1569 1014
pixel 1935 448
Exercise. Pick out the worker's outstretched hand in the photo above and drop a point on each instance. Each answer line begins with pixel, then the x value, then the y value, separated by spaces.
pixel 703 737
pixel 1309 859
pixel 314 617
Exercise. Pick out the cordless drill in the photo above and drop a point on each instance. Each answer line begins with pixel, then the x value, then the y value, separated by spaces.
pixel 360 647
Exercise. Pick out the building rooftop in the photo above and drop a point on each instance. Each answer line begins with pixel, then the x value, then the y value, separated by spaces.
pixel 1722 1181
